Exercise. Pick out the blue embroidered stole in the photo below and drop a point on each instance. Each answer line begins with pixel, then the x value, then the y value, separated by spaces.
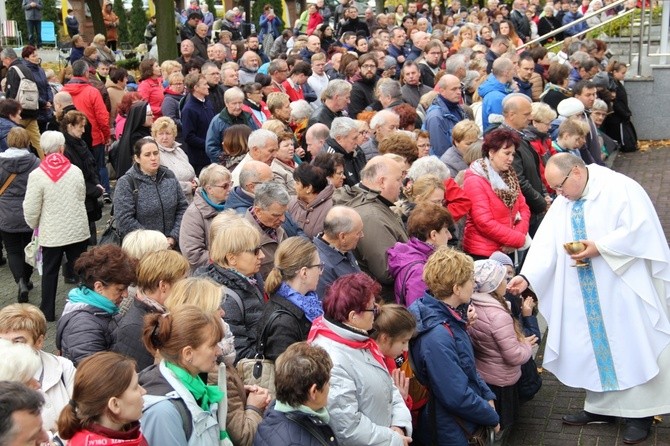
pixel 589 288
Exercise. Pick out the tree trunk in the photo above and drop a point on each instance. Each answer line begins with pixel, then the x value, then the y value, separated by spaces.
pixel 165 30
pixel 96 16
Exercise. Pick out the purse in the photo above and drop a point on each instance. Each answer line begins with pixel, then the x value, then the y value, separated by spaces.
pixel 258 370
pixel 32 251
pixel 483 436
pixel 110 235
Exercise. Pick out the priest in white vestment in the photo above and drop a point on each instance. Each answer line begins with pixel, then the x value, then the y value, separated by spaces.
pixel 609 330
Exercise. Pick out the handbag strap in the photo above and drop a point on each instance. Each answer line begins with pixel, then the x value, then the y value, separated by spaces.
pixel 318 436
pixel 262 342
pixel 7 183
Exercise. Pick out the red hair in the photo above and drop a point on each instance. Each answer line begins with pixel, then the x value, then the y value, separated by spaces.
pixel 349 293
pixel 499 138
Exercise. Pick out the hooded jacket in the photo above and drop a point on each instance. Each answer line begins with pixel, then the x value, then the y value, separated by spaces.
pixel 406 262
pixel 88 100
pixel 310 216
pixel 498 353
pixel 444 360
pixel 441 118
pixel 5 126
pixel 493 92
pixel 194 231
pixel 21 162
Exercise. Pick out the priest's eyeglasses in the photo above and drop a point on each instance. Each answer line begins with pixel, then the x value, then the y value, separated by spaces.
pixel 560 186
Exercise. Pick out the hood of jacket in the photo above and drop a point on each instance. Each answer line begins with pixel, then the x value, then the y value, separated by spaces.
pixel 492 84
pixel 402 255
pixel 18 161
pixel 201 204
pixel 238 199
pixel 324 195
pixel 430 312
pixel 76 85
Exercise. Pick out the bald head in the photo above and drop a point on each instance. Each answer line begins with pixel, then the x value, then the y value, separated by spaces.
pixel 449 88
pixel 516 110
pixel 420 39
pixel 567 175
pixel 503 69
pixel 383 174
pixel 343 228
pixel 253 173
pixel 315 136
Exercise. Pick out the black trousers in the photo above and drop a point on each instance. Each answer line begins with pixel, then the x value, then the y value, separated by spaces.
pixel 14 243
pixel 51 261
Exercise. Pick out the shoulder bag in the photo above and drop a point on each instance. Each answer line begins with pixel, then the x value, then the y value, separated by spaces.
pixel 110 235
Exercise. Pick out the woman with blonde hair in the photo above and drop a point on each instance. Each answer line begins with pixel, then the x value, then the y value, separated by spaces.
pixel 106 403
pixel 103 52
pixel 236 256
pixel 172 156
pixel 140 242
pixel 173 95
pixel 209 200
pixel 443 344
pixel 293 303
pixel 157 273
pixel 25 324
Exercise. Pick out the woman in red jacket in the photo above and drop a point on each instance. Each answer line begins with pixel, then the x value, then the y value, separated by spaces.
pixel 315 19
pixel 498 219
pixel 151 85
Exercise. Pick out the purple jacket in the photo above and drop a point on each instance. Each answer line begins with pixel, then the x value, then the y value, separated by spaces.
pixel 406 262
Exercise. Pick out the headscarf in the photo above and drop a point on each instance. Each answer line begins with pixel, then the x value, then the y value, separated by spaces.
pixel 137 115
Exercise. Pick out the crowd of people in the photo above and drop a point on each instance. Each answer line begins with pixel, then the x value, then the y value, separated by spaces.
pixel 350 201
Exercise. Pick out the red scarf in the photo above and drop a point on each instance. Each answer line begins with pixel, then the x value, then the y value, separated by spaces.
pixel 55 165
pixel 320 327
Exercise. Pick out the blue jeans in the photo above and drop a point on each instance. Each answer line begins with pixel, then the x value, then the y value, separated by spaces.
pixel 35 32
pixel 99 155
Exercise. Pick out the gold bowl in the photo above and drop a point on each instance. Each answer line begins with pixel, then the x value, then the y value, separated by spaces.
pixel 575 248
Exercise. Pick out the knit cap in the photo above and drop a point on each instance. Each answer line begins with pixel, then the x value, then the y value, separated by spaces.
pixel 488 275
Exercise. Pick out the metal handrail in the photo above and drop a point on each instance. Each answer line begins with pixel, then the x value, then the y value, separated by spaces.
pixel 571 24
pixel 606 22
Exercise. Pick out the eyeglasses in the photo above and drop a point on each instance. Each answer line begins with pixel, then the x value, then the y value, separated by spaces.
pixel 224 186
pixel 560 186
pixel 255 251
pixel 374 310
pixel 318 265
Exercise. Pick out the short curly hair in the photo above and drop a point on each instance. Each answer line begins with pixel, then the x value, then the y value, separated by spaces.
pixel 108 264
pixel 400 144
pixel 299 368
pixel 445 269
pixel 351 292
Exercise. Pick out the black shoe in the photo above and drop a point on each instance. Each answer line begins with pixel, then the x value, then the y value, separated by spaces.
pixel 637 430
pixel 70 280
pixel 106 198
pixel 23 292
pixel 582 418
pixel 3 261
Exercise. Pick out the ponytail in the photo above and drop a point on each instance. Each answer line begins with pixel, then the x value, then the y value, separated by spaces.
pixel 68 423
pixel 273 281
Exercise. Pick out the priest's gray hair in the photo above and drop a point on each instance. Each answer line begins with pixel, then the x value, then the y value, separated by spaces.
pixel 428 165
pixel 565 162
pixel 51 141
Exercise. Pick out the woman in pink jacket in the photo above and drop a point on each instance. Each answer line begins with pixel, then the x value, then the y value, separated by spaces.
pixel 498 340
pixel 498 219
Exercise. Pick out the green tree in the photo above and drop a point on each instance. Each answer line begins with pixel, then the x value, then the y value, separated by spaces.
pixel 15 12
pixel 257 11
pixel 138 23
pixel 166 30
pixel 210 6
pixel 120 11
pixel 51 14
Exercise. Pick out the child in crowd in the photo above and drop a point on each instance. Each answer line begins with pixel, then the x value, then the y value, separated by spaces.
pixel 393 328
pixel 571 136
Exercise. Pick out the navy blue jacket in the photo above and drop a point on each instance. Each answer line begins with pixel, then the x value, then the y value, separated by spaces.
pixel 195 119
pixel 335 265
pixel 277 430
pixel 446 362
pixel 240 201
pixel 441 118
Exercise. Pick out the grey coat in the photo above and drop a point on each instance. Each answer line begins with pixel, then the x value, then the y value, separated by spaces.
pixel 454 161
pixel 160 202
pixel 21 162
pixel 194 232
pixel 33 13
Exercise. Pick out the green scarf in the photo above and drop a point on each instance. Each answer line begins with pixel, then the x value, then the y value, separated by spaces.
pixel 89 297
pixel 204 394
pixel 321 414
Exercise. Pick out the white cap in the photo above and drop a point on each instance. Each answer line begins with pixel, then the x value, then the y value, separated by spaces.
pixel 570 107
